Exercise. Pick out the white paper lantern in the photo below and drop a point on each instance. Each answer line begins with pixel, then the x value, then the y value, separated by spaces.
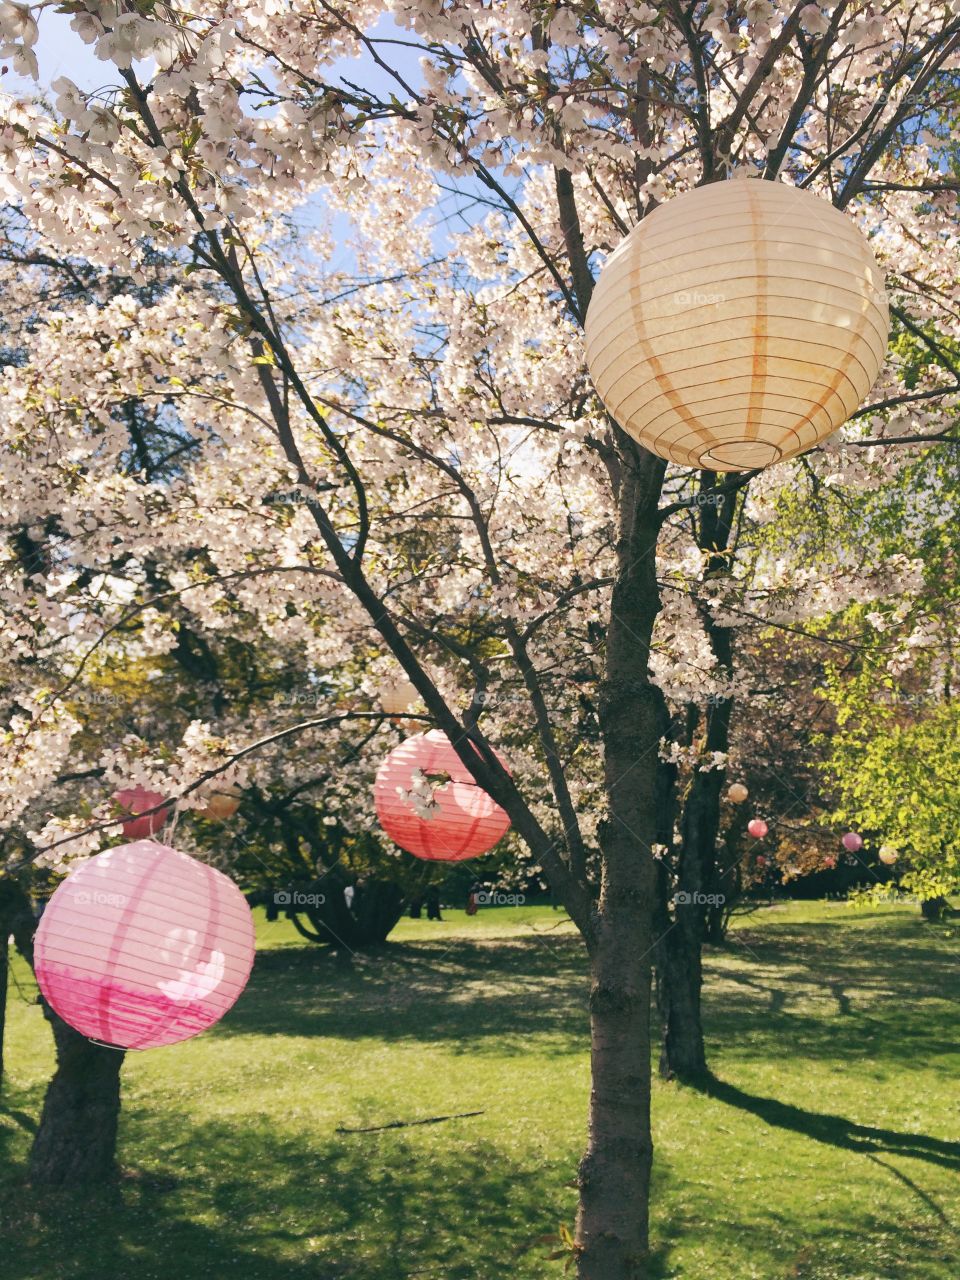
pixel 398 698
pixel 737 325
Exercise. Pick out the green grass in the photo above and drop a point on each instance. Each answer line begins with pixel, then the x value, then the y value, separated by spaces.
pixel 829 1151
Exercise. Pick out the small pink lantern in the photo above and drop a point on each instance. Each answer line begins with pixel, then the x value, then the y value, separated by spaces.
pixel 888 855
pixel 829 862
pixel 449 822
pixel 852 842
pixel 143 946
pixel 737 793
pixel 757 828
pixel 134 800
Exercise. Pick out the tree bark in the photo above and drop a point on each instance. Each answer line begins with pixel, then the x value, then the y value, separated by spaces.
pixel 934 909
pixel 4 978
pixel 680 948
pixel 76 1142
pixel 614 1177
pixel 16 919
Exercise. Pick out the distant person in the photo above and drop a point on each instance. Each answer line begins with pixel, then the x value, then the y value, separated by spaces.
pixel 416 908
pixel 472 893
pixel 432 899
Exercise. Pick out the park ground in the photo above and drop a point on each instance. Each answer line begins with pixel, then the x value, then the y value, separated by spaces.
pixel 828 1148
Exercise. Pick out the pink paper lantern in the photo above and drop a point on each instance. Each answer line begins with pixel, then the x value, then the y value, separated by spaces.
pixel 852 842
pixel 134 800
pixel 757 828
pixel 445 821
pixel 829 862
pixel 143 946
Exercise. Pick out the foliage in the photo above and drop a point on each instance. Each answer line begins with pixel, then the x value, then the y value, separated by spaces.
pixel 897 773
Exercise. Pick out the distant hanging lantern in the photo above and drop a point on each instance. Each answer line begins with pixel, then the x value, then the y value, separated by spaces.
pixel 143 946
pixel 136 800
pixel 829 862
pixel 737 325
pixel 757 828
pixel 852 842
pixel 222 802
pixel 398 698
pixel 888 855
pixel 737 793
pixel 428 803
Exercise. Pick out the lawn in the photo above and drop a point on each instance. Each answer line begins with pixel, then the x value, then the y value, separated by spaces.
pixel 829 1149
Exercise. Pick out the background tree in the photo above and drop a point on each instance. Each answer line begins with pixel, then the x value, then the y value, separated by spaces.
pixel 437 386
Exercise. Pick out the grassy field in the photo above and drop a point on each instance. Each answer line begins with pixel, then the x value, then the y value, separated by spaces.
pixel 829 1149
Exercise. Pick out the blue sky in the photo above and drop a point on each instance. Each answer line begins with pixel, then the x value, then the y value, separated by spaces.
pixel 61 52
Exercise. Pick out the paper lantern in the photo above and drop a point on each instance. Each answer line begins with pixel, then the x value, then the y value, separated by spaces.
pixel 757 828
pixel 134 800
pixel 852 842
pixel 829 862
pixel 222 802
pixel 888 855
pixel 737 793
pixel 737 325
pixel 143 946
pixel 398 698
pixel 440 820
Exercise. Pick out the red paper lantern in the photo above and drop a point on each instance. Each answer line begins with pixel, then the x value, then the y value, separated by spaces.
pixel 450 818
pixel 757 828
pixel 143 946
pixel 829 862
pixel 134 800
pixel 852 842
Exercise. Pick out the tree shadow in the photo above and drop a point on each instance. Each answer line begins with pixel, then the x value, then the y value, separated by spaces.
pixel 476 996
pixel 241 1199
pixel 833 1130
pixel 783 984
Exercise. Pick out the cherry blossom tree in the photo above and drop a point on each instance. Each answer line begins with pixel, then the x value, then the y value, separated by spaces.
pixel 410 375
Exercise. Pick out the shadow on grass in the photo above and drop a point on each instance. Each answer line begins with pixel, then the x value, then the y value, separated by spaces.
pixel 835 1131
pixel 780 984
pixel 243 1201
pixel 478 995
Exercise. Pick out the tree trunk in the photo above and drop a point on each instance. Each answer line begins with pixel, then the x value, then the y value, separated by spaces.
pixel 680 949
pixel 16 919
pixel 376 907
pixel 76 1142
pixel 614 1177
pixel 679 983
pixel 4 978
pixel 934 909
